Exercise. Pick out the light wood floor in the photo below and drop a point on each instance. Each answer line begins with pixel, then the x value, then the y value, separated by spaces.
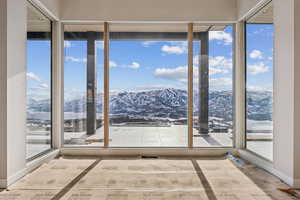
pixel 146 179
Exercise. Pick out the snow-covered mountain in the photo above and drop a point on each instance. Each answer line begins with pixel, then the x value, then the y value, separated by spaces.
pixel 168 103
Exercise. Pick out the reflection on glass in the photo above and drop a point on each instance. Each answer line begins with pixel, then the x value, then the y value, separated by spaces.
pixel 148 85
pixel 83 85
pixel 39 121
pixel 212 51
pixel 259 89
pixel 259 66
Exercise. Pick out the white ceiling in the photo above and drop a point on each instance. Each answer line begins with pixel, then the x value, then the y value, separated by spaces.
pixel 144 27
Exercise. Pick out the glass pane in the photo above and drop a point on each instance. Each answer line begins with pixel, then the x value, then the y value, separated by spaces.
pixel 213 73
pixel 39 123
pixel 259 38
pixel 148 85
pixel 83 85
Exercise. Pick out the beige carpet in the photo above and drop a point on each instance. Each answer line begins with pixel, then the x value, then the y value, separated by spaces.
pixel 146 179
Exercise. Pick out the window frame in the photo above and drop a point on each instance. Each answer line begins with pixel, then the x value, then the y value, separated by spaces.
pixel 106 95
pixel 31 158
pixel 246 81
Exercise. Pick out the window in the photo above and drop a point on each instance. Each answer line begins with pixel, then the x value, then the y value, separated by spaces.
pixel 213 74
pixel 148 85
pixel 39 101
pixel 148 94
pixel 259 65
pixel 83 85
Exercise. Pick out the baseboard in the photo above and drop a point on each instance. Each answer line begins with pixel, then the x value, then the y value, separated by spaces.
pixel 266 165
pixel 30 166
pixel 297 183
pixel 12 179
pixel 146 151
pixel 3 183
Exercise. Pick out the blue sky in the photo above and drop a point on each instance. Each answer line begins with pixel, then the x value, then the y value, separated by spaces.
pixel 143 65
pixel 38 69
pixel 260 56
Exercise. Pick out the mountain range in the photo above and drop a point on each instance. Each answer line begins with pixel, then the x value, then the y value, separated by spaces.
pixel 168 103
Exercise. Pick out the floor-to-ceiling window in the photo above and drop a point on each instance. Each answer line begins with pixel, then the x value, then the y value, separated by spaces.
pixel 39 106
pixel 148 85
pixel 213 88
pixel 146 100
pixel 259 66
pixel 83 85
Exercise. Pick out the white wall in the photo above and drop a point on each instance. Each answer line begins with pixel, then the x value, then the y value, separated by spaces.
pixel 13 87
pixel 3 100
pixel 297 92
pixel 16 84
pixel 145 10
pixel 286 90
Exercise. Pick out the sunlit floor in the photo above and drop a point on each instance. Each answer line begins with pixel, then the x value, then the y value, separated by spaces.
pixel 146 179
pixel 122 136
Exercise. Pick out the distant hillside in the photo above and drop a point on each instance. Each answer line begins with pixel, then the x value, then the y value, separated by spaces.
pixel 171 103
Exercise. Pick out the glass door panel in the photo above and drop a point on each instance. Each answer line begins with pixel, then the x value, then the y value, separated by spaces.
pixel 148 85
pixel 213 74
pixel 82 85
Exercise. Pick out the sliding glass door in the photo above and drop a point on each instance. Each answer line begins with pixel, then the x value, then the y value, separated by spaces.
pixel 83 85
pixel 39 77
pixel 259 66
pixel 144 87
pixel 148 85
pixel 213 86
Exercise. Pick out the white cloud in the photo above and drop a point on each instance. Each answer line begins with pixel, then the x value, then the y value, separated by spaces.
pixel 258 88
pixel 100 44
pixel 32 76
pixel 196 60
pixel 257 68
pixel 219 64
pixel 221 35
pixel 153 87
pixel 134 65
pixel 270 58
pixel 220 81
pixel 223 83
pixel 178 73
pixel 220 61
pixel 148 43
pixel 73 59
pixel 256 54
pixel 67 44
pixel 213 71
pixel 43 86
pixel 174 49
pixel 112 63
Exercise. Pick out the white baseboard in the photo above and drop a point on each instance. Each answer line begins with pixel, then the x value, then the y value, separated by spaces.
pixel 268 166
pixel 146 151
pixel 3 183
pixel 30 166
pixel 297 183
